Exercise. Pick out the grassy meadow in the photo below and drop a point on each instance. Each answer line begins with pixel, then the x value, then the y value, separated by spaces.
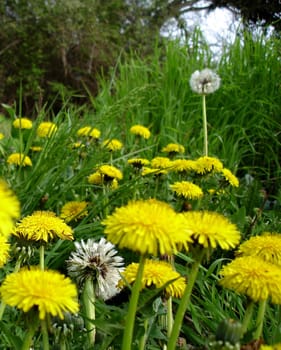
pixel 132 143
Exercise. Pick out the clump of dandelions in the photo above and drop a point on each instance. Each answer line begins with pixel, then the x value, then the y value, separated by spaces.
pixel 203 83
pixel 97 269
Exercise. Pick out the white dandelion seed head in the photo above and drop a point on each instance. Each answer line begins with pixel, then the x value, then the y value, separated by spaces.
pixel 204 82
pixel 98 261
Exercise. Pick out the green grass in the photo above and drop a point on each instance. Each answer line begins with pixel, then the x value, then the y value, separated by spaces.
pixel 243 127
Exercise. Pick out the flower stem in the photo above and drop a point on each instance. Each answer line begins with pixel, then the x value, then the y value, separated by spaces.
pixel 130 319
pixel 89 308
pixel 144 337
pixel 205 150
pixel 170 319
pixel 260 318
pixel 45 335
pixel 41 253
pixel 172 342
pixel 247 316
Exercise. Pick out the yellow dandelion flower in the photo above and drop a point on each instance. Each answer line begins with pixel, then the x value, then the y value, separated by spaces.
pixel 183 165
pixel 267 246
pixel 187 190
pixel 36 148
pixel 161 163
pixel 138 162
pixel 112 145
pixel 1 135
pixel 46 129
pixel 110 172
pixel 270 347
pixel 22 123
pixel 96 178
pixel 211 229
pixel 148 171
pixel 173 148
pixel 74 210
pixel 232 179
pixel 9 209
pixel 147 226
pixel 49 291
pixel 43 226
pixel 205 165
pixel 140 130
pixel 89 131
pixel 19 159
pixel 4 250
pixel 114 184
pixel 254 277
pixel 156 274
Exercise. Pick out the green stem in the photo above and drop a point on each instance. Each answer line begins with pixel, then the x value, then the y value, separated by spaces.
pixel 26 345
pixel 45 334
pixel 41 253
pixel 205 150
pixel 172 342
pixel 170 319
pixel 247 316
pixel 88 297
pixel 130 319
pixel 144 337
pixel 260 318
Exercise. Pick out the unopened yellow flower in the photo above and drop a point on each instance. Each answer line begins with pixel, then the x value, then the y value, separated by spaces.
pixel 161 163
pixel 173 148
pixel 4 249
pixel 267 246
pixel 36 148
pixel 49 291
pixel 89 131
pixel 187 190
pixel 9 209
pixel 147 226
pixel 22 123
pixel 232 179
pixel 19 159
pixel 112 145
pixel 211 229
pixel 140 130
pixel 156 274
pixel 183 165
pixel 254 277
pixel 205 165
pixel 74 210
pixel 43 226
pixel 46 129
pixel 1 135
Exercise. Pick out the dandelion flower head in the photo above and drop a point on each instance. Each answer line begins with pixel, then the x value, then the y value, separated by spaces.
pixel 161 163
pixel 187 190
pixel 138 162
pixel 229 177
pixel 95 178
pixel 110 172
pixel 2 136
pixel 46 129
pixel 204 82
pixel 43 226
pixel 74 210
pixel 266 246
pixel 148 227
pixel 4 249
pixel 50 291
pixel 9 209
pixel 183 165
pixel 19 159
pixel 156 274
pixel 173 148
pixel 205 165
pixel 22 123
pixel 99 262
pixel 254 277
pixel 89 131
pixel 140 130
pixel 211 229
pixel 152 171
pixel 113 145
